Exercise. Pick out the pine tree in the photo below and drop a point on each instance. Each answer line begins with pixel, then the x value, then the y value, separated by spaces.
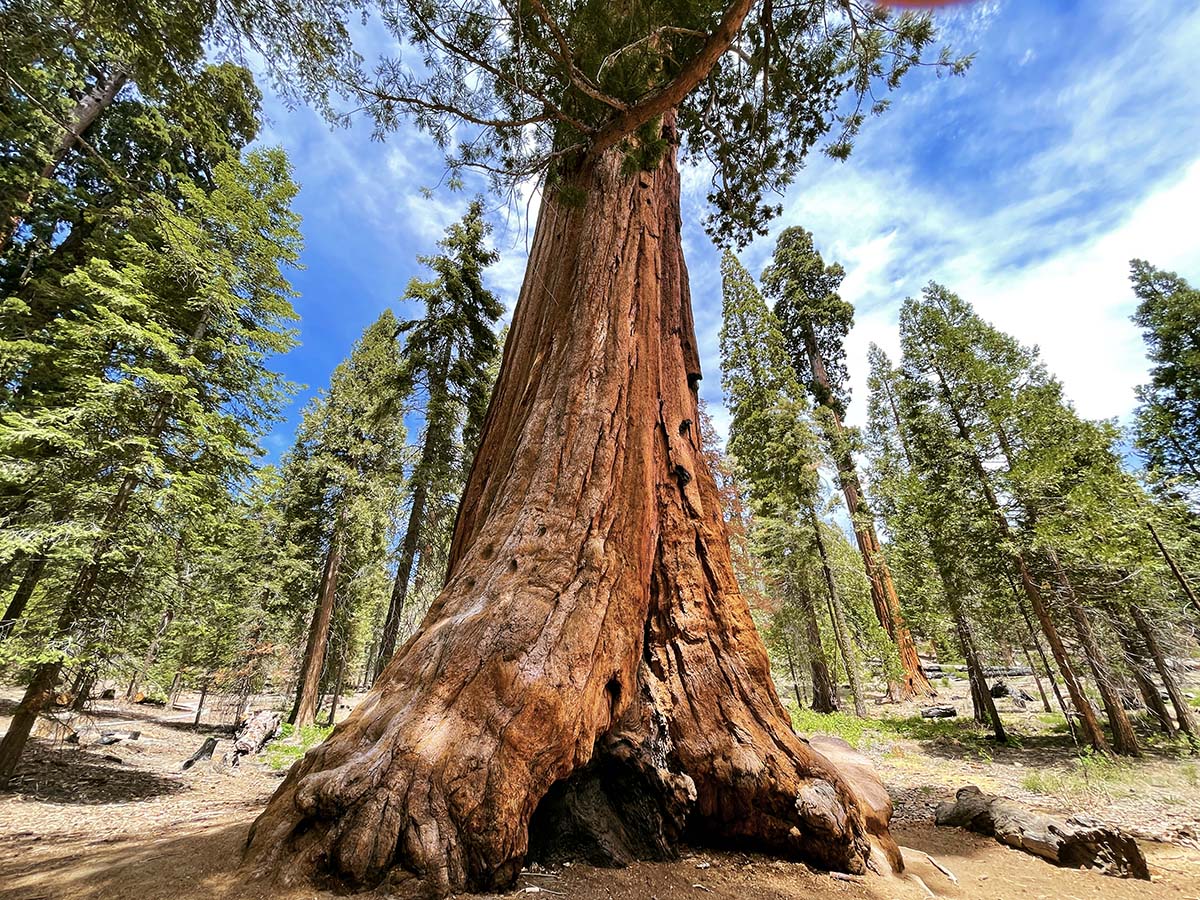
pixel 448 355
pixel 1023 443
pixel 347 467
pixel 815 321
pixel 775 450
pixel 1167 427
pixel 159 372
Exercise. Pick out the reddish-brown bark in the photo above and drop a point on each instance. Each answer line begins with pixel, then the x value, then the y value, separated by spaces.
pixel 590 632
pixel 879 575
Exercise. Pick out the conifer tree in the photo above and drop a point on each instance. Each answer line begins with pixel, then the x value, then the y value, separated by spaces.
pixel 815 321
pixel 448 357
pixel 1167 427
pixel 348 465
pixel 158 372
pixel 775 449
pixel 1021 441
pixel 589 507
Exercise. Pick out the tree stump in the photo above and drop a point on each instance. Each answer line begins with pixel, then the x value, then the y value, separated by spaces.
pixel 1077 843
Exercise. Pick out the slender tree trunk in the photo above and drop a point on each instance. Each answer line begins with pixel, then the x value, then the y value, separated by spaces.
pixel 590 622
pixel 1175 570
pixel 1184 715
pixel 1087 715
pixel 304 712
pixel 83 693
pixel 791 661
pixel 176 687
pixel 883 589
pixel 1037 679
pixel 1047 669
pixel 1124 739
pixel 6 574
pixel 368 674
pixel 34 570
pixel 1137 664
pixel 975 672
pixel 82 117
pixel 824 692
pixel 837 617
pixel 337 688
pixel 200 702
pixel 408 550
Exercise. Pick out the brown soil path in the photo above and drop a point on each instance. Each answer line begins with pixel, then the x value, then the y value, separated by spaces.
pixel 123 822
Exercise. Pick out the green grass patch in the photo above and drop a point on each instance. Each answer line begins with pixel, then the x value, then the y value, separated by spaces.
pixel 859 733
pixel 290 745
pixel 1090 775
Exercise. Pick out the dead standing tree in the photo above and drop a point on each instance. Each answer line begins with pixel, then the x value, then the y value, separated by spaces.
pixel 591 632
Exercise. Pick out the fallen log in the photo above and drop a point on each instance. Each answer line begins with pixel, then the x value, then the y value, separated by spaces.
pixel 939 712
pixel 254 734
pixel 1079 842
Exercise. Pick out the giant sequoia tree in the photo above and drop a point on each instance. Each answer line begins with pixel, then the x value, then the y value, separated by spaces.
pixel 815 321
pixel 590 648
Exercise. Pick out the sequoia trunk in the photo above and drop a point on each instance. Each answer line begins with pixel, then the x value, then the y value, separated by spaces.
pixel 883 588
pixel 590 632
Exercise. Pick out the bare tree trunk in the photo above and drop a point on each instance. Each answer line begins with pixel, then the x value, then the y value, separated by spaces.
pixel 837 617
pixel 1184 715
pixel 200 702
pixel 82 117
pixel 304 712
pixel 975 671
pixel 34 570
pixel 590 615
pixel 412 534
pixel 1046 667
pixel 1146 686
pixel 1175 570
pixel 1124 739
pixel 1037 679
pixel 824 692
pixel 337 688
pixel 791 661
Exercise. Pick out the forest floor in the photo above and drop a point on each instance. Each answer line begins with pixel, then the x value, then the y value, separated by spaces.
pixel 85 822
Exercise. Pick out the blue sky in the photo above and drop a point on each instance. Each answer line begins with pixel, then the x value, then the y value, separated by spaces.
pixel 1072 145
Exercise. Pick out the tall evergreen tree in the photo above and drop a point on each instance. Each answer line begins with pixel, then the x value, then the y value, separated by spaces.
pixel 589 492
pixel 774 447
pixel 448 353
pixel 347 466
pixel 815 321
pixel 159 363
pixel 1024 444
pixel 1167 426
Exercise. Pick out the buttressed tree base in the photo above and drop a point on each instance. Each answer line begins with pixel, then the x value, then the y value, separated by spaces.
pixel 590 682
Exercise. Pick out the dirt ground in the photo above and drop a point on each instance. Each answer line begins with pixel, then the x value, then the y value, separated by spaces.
pixel 122 821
